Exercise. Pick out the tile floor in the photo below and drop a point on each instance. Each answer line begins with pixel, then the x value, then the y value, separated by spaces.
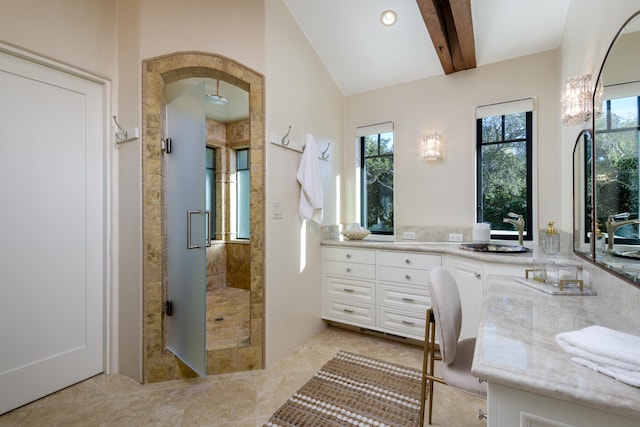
pixel 228 320
pixel 244 399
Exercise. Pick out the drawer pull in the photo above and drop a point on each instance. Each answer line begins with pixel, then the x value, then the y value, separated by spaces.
pixel 407 277
pixel 407 299
pixel 348 270
pixel 406 322
pixel 477 275
pixel 348 290
pixel 347 310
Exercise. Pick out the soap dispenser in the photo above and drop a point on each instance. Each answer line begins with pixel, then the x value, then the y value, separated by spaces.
pixel 551 241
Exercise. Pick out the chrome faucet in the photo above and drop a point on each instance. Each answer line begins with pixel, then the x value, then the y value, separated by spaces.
pixel 518 222
pixel 613 224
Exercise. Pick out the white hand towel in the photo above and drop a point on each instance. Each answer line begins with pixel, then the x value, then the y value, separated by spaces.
pixel 311 199
pixel 604 350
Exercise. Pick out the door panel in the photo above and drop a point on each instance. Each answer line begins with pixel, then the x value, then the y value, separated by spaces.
pixel 186 221
pixel 52 223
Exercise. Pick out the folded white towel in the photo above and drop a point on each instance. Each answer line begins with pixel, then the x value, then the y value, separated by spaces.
pixel 311 198
pixel 604 350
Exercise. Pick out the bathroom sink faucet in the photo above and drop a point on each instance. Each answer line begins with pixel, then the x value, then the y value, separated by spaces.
pixel 613 224
pixel 518 221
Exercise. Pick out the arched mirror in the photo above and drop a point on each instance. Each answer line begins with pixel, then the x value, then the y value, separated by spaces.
pixel 615 215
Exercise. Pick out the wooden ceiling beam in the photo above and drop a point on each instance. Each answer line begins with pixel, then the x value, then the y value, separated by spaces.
pixel 450 27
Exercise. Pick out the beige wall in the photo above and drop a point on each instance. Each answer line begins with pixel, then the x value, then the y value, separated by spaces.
pixel 442 193
pixel 300 93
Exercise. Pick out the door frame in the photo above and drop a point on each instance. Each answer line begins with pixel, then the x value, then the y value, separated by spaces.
pixel 158 364
pixel 110 259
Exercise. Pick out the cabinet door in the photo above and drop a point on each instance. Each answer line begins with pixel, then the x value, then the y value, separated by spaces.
pixel 469 276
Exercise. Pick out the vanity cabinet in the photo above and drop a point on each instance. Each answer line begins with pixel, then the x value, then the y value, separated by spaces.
pixel 382 290
pixel 469 276
pixel 349 286
pixel 403 295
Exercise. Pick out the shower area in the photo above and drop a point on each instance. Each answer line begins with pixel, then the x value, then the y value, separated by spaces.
pixel 225 235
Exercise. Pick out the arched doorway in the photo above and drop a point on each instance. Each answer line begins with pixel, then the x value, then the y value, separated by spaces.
pixel 158 364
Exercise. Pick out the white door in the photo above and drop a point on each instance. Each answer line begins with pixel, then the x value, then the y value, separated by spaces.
pixel 52 230
pixel 186 229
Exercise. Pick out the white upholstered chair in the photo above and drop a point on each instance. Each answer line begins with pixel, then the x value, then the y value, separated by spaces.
pixel 444 320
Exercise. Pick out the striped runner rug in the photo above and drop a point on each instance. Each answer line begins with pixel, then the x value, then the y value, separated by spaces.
pixel 353 390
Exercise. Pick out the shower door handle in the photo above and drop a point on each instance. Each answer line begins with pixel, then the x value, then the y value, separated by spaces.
pixel 207 214
pixel 189 244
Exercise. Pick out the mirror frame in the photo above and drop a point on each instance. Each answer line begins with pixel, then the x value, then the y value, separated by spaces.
pixel 589 226
pixel 591 255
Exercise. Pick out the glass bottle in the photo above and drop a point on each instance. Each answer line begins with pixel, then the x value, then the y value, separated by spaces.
pixel 551 241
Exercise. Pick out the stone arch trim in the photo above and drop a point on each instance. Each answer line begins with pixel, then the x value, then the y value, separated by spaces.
pixel 158 364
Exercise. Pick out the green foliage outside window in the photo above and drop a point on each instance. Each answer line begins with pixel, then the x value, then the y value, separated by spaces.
pixel 616 174
pixel 377 183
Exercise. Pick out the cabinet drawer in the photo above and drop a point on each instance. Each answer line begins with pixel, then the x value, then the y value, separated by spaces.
pixel 349 269
pixel 404 275
pixel 404 297
pixel 409 259
pixel 407 324
pixel 359 256
pixel 350 290
pixel 350 313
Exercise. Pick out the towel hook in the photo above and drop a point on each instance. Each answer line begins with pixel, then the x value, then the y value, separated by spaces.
pixel 324 154
pixel 284 138
pixel 122 135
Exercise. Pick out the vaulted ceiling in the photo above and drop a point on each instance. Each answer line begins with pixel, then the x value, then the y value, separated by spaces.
pixel 430 37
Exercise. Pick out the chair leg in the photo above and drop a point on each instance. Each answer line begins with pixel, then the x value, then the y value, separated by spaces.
pixel 428 367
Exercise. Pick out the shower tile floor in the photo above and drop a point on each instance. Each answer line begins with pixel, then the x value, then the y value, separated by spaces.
pixel 243 399
pixel 228 318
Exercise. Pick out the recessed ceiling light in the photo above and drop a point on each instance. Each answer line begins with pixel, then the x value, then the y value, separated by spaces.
pixel 388 18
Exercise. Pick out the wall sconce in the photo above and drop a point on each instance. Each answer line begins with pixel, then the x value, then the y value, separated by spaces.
pixel 432 146
pixel 576 100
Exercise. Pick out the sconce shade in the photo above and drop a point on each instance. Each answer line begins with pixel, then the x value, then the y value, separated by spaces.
pixel 432 146
pixel 576 100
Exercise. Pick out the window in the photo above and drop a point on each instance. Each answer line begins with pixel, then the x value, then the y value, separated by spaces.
pixel 504 166
pixel 242 193
pixel 616 175
pixel 376 178
pixel 210 190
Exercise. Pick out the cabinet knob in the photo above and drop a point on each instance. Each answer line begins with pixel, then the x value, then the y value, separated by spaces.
pixel 348 256
pixel 481 414
pixel 407 277
pixel 407 261
pixel 478 275
pixel 348 270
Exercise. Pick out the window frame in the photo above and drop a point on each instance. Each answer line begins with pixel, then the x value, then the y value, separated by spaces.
pixel 238 193
pixel 363 180
pixel 528 233
pixel 212 192
pixel 609 129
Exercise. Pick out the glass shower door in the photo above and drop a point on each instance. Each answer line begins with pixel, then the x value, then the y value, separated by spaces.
pixel 186 229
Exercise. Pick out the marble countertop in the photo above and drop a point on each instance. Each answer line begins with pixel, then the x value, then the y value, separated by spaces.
pixel 524 258
pixel 516 346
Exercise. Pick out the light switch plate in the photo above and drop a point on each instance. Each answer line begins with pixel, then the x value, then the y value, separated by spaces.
pixel 278 210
